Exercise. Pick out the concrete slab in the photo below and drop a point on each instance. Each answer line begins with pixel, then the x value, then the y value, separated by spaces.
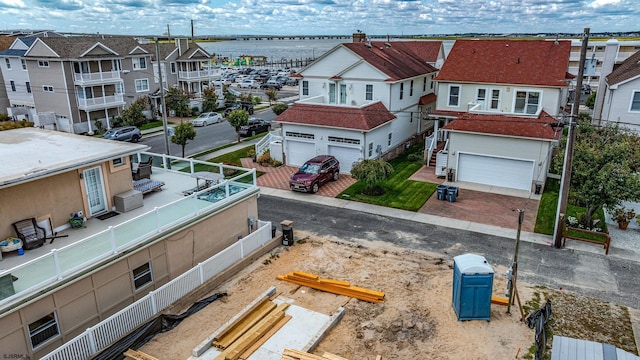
pixel 302 332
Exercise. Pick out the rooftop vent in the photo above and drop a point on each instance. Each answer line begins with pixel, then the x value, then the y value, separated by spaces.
pixel 387 44
pixel 367 45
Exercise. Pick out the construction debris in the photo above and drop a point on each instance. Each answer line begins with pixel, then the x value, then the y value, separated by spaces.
pixel 333 286
pixel 137 355
pixel 292 354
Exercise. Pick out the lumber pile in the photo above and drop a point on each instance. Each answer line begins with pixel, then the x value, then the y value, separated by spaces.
pixel 499 301
pixel 137 355
pixel 245 335
pixel 333 286
pixel 292 354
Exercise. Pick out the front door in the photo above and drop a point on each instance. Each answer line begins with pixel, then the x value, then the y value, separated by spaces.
pixel 95 190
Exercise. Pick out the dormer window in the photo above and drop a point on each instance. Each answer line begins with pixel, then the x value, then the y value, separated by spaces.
pixel 454 96
pixel 139 63
pixel 527 102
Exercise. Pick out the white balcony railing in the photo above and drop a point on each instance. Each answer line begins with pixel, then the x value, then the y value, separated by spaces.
pixel 68 261
pixel 101 102
pixel 97 77
pixel 200 74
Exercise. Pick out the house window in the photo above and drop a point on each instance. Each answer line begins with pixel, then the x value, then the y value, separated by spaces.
pixel 24 64
pixel 389 140
pixel 424 84
pixel 139 63
pixel 172 65
pixel 43 63
pixel 343 93
pixel 13 85
pixel 495 99
pixel 43 329
pixel 401 90
pixel 527 102
pixel 305 87
pixel 118 162
pixel 370 149
pixel 8 63
pixel 411 88
pixel 332 93
pixel 454 95
pixel 481 98
pixel 343 140
pixel 116 64
pixel 28 84
pixel 635 101
pixel 142 85
pixel 47 88
pixel 142 275
pixel 119 89
pixel 368 94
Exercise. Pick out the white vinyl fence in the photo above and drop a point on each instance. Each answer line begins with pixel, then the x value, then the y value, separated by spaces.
pixel 103 334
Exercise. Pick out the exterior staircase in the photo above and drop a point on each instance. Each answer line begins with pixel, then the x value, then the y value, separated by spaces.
pixel 439 146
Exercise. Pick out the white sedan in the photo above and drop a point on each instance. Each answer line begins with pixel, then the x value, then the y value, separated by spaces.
pixel 206 119
pixel 248 84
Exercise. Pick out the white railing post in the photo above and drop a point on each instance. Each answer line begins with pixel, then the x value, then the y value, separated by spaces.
pixel 201 273
pixel 255 178
pixel 93 348
pixel 56 263
pixel 242 248
pixel 154 305
pixel 158 225
pixel 112 238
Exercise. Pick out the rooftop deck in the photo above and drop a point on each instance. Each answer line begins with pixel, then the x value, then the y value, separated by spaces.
pixel 100 240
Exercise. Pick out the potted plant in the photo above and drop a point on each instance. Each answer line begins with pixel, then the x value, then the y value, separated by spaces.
pixel 623 216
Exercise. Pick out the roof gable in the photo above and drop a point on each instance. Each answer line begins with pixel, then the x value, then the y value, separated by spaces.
pixel 364 118
pixel 75 47
pixel 523 62
pixel 396 59
pixel 41 49
pixel 98 49
pixel 629 69
pixel 537 128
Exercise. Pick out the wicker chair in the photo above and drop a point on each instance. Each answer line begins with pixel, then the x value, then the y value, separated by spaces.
pixel 30 233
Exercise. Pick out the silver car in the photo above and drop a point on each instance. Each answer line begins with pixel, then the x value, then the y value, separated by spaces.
pixel 125 133
pixel 207 118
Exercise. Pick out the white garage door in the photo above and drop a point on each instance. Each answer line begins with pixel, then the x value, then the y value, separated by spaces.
pixel 298 152
pixel 346 156
pixel 489 170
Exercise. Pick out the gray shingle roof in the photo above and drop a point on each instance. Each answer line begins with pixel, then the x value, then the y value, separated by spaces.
pixel 73 48
pixel 629 68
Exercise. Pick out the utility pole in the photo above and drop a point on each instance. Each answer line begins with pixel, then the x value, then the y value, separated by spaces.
pixel 191 30
pixel 164 106
pixel 514 266
pixel 568 156
pixel 168 32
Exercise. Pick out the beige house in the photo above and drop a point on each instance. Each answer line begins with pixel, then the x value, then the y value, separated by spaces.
pixel 109 240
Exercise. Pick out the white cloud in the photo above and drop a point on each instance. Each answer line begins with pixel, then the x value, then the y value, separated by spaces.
pixel 601 3
pixel 12 3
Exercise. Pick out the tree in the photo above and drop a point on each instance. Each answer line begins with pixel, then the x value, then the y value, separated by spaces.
pixel 590 101
pixel 606 165
pixel 210 103
pixel 133 115
pixel 272 94
pixel 178 101
pixel 279 108
pixel 229 98
pixel 237 119
pixel 183 133
pixel 371 173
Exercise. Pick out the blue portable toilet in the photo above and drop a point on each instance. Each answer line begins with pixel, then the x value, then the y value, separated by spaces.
pixel 472 287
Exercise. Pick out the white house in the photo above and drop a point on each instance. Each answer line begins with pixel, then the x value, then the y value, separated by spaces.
pixel 361 100
pixel 501 100
pixel 17 84
pixel 622 95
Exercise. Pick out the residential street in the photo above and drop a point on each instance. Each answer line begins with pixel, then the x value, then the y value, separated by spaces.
pixel 589 273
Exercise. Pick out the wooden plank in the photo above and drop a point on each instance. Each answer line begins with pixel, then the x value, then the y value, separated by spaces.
pixel 239 319
pixel 249 320
pixel 305 275
pixel 266 337
pixel 379 357
pixel 330 356
pixel 499 300
pixel 297 354
pixel 334 282
pixel 138 355
pixel 352 291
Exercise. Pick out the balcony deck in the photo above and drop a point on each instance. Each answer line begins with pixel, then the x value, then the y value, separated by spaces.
pixel 100 240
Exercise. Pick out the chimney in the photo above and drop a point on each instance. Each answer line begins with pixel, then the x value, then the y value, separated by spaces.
pixel 359 37
pixel 182 44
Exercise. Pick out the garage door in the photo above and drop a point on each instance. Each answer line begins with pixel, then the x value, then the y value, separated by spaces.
pixel 346 156
pixel 496 171
pixel 298 152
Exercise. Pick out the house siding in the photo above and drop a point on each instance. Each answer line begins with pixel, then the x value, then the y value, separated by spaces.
pixel 617 104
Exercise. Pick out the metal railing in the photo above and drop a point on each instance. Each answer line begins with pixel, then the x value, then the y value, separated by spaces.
pixel 196 74
pixel 97 77
pixel 103 334
pixel 430 145
pixel 263 145
pixel 101 101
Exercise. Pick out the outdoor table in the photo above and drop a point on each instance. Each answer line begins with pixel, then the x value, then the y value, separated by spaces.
pixel 210 178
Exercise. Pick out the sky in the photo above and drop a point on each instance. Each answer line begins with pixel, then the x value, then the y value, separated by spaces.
pixel 320 17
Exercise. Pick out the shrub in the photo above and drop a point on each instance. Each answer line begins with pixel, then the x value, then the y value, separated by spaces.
pixel 414 157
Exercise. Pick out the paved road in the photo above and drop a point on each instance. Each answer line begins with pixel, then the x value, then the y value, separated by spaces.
pixel 597 275
pixel 208 137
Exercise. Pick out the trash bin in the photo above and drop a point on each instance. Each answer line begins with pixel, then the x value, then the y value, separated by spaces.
pixel 452 193
pixel 287 232
pixel 442 192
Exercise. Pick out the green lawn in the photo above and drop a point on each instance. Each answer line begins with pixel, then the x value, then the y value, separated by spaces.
pixel 545 220
pixel 401 193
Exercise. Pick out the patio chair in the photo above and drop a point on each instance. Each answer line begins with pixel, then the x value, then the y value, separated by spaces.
pixel 142 170
pixel 31 234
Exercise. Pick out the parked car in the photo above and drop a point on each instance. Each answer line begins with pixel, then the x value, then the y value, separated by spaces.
pixel 240 105
pixel 207 118
pixel 249 84
pixel 125 133
pixel 314 173
pixel 292 82
pixel 271 84
pixel 254 126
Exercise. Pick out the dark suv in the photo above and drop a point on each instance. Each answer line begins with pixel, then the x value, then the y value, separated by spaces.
pixel 254 126
pixel 315 172
pixel 240 105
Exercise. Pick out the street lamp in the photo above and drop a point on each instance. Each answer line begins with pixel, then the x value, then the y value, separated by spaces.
pixel 162 102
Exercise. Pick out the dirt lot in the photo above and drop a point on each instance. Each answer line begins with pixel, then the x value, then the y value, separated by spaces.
pixel 416 320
